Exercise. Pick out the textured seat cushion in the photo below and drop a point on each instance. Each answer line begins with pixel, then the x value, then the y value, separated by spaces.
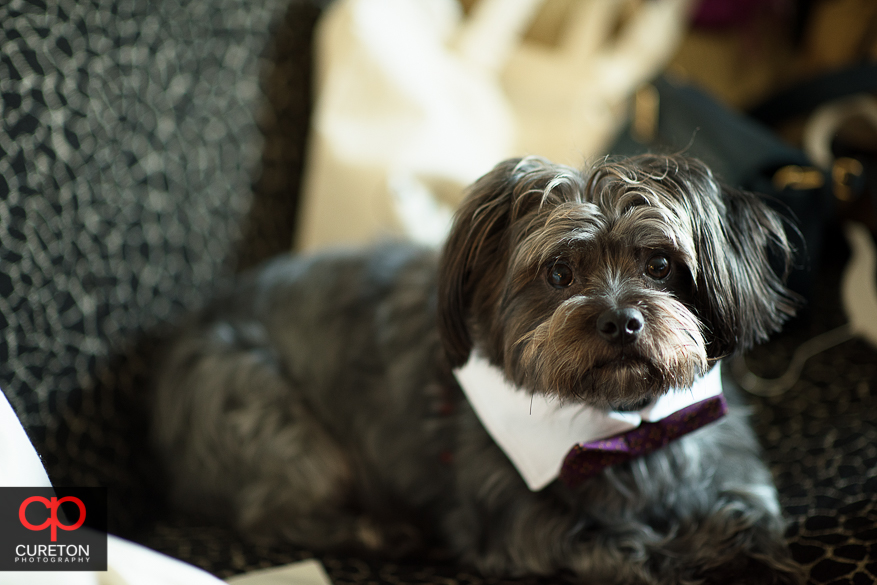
pixel 128 139
pixel 130 185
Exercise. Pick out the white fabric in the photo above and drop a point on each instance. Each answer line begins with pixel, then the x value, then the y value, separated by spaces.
pixel 309 572
pixel 20 466
pixel 537 431
pixel 414 101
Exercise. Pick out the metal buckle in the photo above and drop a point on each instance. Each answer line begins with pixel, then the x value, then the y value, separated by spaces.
pixel 844 172
pixel 798 177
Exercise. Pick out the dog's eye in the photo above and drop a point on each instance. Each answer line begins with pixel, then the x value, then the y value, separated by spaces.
pixel 560 275
pixel 658 267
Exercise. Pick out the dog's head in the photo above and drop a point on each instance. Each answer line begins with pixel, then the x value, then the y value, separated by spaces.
pixel 610 286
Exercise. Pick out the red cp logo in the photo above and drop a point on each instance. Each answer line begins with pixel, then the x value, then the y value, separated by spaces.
pixel 52 521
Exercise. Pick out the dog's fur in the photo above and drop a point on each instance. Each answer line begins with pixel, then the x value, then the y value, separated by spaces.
pixel 315 403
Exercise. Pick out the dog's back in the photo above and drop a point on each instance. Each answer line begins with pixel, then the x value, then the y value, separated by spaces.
pixel 304 393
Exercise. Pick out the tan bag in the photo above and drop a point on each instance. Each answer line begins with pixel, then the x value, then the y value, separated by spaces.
pixel 414 101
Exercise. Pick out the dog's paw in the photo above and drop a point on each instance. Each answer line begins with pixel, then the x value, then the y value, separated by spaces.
pixel 393 539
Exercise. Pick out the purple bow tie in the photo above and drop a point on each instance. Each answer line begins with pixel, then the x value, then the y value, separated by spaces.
pixel 585 460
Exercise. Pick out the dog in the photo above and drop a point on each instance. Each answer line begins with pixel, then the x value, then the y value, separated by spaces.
pixel 321 400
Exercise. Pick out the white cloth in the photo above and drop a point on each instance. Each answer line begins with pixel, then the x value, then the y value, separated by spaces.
pixel 537 431
pixel 309 572
pixel 20 466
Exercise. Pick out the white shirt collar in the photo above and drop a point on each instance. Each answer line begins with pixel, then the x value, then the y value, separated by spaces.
pixel 536 431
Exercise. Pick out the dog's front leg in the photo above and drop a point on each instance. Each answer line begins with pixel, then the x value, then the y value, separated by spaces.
pixel 736 542
pixel 703 510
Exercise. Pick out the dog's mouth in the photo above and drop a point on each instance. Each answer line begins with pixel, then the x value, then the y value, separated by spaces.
pixel 624 384
pixel 622 362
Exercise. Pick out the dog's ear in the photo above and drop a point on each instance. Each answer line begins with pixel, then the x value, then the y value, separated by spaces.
pixel 472 254
pixel 744 259
pixel 495 214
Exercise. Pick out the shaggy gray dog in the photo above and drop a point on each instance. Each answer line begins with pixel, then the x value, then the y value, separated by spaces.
pixel 316 403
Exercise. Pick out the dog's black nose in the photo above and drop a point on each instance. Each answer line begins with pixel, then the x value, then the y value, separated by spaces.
pixel 620 325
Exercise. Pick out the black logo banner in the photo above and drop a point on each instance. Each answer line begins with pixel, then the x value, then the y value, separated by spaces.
pixel 53 529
